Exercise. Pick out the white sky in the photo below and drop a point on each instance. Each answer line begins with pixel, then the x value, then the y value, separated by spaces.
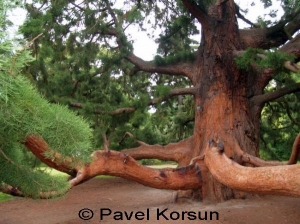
pixel 145 47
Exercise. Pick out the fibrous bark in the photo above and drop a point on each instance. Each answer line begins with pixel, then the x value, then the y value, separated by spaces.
pixel 272 179
pixel 281 180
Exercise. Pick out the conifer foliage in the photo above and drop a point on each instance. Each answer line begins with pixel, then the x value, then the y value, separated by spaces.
pixel 211 97
pixel 25 112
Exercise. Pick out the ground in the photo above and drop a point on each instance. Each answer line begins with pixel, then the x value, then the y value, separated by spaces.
pixel 119 195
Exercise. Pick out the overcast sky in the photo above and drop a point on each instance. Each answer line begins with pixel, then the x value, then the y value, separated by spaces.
pixel 145 47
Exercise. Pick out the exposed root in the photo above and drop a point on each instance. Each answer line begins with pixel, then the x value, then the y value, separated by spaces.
pixel 280 180
pixel 257 162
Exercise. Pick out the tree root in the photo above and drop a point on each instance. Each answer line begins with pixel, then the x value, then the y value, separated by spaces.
pixel 279 180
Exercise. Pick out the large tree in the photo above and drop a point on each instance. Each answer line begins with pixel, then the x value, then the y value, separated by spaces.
pixel 85 58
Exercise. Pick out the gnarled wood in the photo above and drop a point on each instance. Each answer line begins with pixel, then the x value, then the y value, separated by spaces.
pixel 280 180
pixel 173 151
pixel 121 165
pixel 116 164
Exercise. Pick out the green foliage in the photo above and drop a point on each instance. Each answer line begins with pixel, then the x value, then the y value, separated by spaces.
pixel 5 197
pixel 24 112
pixel 179 57
pixel 162 90
pixel 280 121
pixel 270 59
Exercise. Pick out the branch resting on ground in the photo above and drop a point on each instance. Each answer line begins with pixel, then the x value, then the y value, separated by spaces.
pixel 280 180
pixel 116 164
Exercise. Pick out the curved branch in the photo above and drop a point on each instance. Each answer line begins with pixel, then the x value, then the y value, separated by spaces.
pixel 37 145
pixel 261 99
pixel 121 165
pixel 257 162
pixel 280 180
pixel 179 68
pixel 289 65
pixel 173 151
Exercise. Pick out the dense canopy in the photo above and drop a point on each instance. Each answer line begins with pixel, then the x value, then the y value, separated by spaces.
pixel 222 88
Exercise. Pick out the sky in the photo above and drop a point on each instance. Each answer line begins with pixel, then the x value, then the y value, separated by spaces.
pixel 145 47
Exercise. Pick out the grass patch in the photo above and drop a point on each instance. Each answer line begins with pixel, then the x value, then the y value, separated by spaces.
pixel 162 166
pixel 5 197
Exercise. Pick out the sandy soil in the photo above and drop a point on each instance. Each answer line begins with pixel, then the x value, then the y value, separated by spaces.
pixel 129 200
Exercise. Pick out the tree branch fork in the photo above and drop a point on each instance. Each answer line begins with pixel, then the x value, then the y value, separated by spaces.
pixel 263 177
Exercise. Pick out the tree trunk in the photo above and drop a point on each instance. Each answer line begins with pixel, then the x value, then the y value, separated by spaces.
pixel 222 106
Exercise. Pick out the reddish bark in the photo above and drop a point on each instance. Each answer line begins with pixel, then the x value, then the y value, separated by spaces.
pixel 281 180
pixel 116 164
pixel 227 103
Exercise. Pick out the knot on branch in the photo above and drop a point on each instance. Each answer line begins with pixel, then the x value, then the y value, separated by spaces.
pixel 216 145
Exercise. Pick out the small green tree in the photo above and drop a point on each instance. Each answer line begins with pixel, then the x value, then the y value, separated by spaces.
pixel 25 112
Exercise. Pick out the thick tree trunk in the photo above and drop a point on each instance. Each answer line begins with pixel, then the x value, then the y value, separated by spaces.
pixel 222 106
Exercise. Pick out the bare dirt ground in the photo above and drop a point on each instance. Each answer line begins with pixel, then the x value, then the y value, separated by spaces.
pixel 147 205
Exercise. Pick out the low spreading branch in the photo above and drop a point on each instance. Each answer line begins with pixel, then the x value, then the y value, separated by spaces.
pixel 7 189
pixel 117 164
pixel 280 180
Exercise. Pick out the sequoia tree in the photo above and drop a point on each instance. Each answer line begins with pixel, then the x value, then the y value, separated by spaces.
pixel 230 74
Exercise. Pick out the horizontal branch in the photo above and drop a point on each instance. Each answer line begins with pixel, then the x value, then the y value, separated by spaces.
pixel 121 165
pixel 171 152
pixel 179 68
pixel 174 92
pixel 280 180
pixel 115 164
pixel 261 99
